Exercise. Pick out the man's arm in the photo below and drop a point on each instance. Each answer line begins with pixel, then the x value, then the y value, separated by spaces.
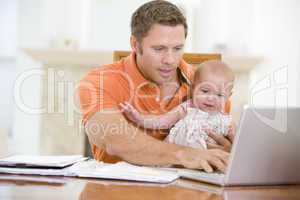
pixel 150 121
pixel 109 130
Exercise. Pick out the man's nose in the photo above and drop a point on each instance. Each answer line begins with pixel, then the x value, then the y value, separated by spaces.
pixel 169 58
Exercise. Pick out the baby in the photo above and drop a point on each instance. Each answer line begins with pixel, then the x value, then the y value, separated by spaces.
pixel 190 121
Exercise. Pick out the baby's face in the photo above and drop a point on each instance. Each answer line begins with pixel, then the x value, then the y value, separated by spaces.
pixel 211 92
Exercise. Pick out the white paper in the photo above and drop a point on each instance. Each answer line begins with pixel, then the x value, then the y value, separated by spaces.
pixel 42 161
pixel 122 171
pixel 36 171
pixel 39 179
pixel 95 169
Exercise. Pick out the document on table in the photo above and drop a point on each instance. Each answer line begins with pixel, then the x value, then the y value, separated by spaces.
pixel 122 171
pixel 78 166
pixel 95 169
pixel 40 161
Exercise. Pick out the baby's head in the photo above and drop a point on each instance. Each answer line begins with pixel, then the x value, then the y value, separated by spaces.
pixel 212 86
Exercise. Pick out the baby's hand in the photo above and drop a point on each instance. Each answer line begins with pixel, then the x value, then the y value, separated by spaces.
pixel 232 128
pixel 131 113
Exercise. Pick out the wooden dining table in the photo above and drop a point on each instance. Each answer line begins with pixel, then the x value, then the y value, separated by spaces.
pixel 13 187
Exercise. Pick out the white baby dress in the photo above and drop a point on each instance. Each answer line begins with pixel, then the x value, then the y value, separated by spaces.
pixel 189 131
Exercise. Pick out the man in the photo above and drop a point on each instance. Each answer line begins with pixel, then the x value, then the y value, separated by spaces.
pixel 154 79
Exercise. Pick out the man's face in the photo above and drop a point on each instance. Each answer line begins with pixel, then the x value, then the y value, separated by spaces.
pixel 160 52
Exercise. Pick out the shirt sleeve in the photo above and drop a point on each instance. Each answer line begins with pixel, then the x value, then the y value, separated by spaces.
pixel 95 95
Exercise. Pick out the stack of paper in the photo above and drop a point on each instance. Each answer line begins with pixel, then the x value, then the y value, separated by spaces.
pixel 122 171
pixel 89 169
pixel 40 161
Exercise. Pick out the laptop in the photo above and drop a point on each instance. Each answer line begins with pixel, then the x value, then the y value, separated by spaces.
pixel 266 150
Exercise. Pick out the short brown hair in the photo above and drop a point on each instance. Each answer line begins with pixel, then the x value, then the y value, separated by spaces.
pixel 155 12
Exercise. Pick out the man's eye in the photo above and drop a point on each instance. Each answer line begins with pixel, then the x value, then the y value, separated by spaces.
pixel 221 95
pixel 158 49
pixel 178 48
pixel 204 91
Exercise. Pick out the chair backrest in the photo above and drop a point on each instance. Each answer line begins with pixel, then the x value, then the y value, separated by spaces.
pixel 191 58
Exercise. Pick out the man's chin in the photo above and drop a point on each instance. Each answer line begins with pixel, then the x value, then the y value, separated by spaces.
pixel 161 81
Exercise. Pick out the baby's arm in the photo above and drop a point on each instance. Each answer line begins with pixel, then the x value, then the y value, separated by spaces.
pixel 164 121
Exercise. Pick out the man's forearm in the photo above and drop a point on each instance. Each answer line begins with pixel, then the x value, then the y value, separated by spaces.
pixel 118 137
pixel 151 152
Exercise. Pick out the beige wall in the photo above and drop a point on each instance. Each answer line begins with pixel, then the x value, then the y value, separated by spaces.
pixel 61 131
pixel 3 142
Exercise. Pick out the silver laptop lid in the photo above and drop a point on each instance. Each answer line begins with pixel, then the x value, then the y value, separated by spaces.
pixel 266 149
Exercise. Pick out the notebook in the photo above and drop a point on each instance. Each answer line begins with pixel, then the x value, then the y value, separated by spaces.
pixel 40 161
pixel 96 169
pixel 122 171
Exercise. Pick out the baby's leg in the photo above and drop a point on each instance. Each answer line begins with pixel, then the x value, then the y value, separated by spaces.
pixel 185 135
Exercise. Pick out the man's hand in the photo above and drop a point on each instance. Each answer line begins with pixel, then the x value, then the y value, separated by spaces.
pixel 222 142
pixel 208 160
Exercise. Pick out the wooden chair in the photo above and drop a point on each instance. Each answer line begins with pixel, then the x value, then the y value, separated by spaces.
pixel 191 58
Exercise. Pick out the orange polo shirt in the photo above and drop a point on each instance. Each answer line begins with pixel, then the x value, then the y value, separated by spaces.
pixel 108 86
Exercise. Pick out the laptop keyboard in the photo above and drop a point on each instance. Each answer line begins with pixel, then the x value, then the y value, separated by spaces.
pixel 204 176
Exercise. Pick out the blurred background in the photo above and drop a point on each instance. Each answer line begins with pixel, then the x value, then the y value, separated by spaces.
pixel 46 46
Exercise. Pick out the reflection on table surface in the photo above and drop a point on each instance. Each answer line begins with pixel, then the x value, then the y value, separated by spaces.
pixel 34 187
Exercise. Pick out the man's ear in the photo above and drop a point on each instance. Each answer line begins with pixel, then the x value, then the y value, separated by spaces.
pixel 133 44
